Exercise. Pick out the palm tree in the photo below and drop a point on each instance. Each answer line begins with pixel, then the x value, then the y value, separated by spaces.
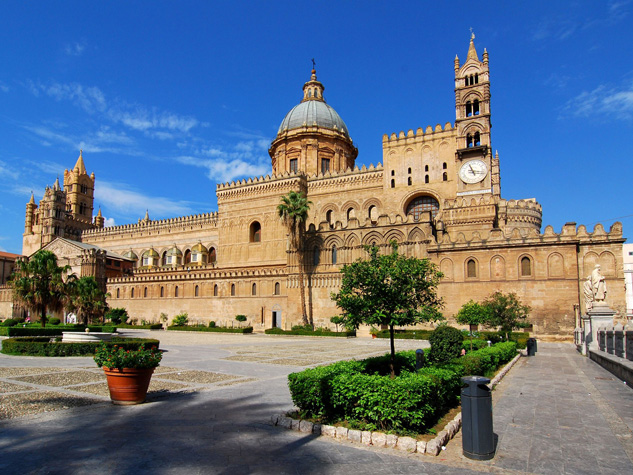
pixel 38 283
pixel 293 211
pixel 86 298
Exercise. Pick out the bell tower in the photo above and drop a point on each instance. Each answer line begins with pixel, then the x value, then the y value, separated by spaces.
pixel 478 169
pixel 79 189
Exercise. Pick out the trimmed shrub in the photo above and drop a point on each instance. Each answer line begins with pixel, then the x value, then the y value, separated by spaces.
pixel 406 334
pixel 54 321
pixel 211 324
pixel 212 329
pixel 147 326
pixel 446 344
pixel 404 361
pixel 303 332
pixel 9 322
pixel 117 315
pixel 43 346
pixel 477 344
pixel 484 362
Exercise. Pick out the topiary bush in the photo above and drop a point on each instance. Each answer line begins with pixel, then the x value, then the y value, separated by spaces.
pixel 211 324
pixel 446 344
pixel 54 321
pixel 117 315
pixel 9 322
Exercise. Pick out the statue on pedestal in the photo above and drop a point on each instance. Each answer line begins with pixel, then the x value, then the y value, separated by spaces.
pixel 587 291
pixel 598 285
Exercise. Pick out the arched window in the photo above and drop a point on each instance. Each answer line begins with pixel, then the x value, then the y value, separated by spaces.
pixel 476 78
pixel 176 292
pixel 232 290
pixel 409 182
pixel 334 255
pixel 145 292
pixel 215 290
pixel 255 232
pixel 187 256
pixel 132 293
pixel 471 269
pixel 469 109
pixel 328 218
pixel 277 288
pixel 393 172
pixel 526 266
pixel 409 171
pixel 422 204
pixel 393 183
pixel 444 176
pixel 426 178
pixel 477 139
pixel 212 255
pixel 315 256
pixel 350 213
pixel 254 289
pixel 469 140
pixel 118 293
pixel 162 291
pixel 426 168
pixel 196 291
pixel 476 107
pixel 444 166
pixel 372 213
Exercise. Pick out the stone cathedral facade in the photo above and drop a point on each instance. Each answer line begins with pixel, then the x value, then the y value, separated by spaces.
pixel 437 193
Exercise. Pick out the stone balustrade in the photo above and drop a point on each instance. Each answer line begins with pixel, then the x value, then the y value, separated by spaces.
pixel 616 340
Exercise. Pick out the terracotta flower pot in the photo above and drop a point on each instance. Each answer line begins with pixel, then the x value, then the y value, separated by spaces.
pixel 128 385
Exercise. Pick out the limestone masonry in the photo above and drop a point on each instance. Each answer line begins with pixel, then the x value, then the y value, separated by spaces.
pixel 437 194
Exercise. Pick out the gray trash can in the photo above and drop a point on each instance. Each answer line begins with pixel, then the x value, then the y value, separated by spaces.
pixel 477 435
pixel 531 346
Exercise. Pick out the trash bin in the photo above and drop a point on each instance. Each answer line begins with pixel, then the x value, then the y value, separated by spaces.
pixel 531 346
pixel 477 435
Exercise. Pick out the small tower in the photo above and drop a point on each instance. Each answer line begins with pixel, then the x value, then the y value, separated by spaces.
pixel 52 213
pixel 472 120
pixel 99 221
pixel 30 215
pixel 79 188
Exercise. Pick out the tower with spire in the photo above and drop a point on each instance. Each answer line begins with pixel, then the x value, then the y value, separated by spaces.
pixel 62 212
pixel 472 115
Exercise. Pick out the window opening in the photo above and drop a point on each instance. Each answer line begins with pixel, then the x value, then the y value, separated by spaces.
pixel 422 204
pixel 471 268
pixel 526 267
pixel 293 165
pixel 256 232
pixel 325 165
pixel 334 254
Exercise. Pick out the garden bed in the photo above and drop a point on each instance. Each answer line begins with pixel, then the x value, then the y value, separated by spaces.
pixel 303 332
pixel 211 329
pixel 56 330
pixel 45 346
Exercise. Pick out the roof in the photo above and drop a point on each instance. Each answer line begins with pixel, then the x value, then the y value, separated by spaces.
pixel 83 245
pixel 8 255
pixel 313 114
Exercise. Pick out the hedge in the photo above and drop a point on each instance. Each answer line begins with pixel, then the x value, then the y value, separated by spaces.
pixel 53 331
pixel 362 393
pixel 495 337
pixel 279 331
pixel 212 329
pixel 147 326
pixel 406 334
pixel 43 346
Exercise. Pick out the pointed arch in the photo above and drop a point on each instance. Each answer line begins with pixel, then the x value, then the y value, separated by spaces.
pixel 446 267
pixel 497 268
pixel 555 265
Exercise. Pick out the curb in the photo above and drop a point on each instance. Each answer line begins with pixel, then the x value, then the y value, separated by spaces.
pixel 379 439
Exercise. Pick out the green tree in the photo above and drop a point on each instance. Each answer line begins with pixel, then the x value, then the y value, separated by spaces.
pixel 38 284
pixel 86 298
pixel 392 290
pixel 472 313
pixel 241 319
pixel 293 211
pixel 337 320
pixel 506 312
pixel 119 315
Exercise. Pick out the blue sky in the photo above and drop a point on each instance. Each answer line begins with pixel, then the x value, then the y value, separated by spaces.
pixel 169 98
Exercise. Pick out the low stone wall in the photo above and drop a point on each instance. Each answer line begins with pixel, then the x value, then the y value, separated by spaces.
pixel 617 366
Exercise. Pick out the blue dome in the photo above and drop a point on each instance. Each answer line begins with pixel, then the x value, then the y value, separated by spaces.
pixel 313 113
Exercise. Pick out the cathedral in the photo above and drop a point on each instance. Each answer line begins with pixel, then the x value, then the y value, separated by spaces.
pixel 437 194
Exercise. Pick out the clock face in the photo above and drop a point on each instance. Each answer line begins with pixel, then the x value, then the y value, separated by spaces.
pixel 473 171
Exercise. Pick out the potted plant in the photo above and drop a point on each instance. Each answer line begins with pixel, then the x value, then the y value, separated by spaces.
pixel 128 371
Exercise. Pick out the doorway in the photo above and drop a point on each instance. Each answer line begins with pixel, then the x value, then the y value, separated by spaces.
pixel 276 318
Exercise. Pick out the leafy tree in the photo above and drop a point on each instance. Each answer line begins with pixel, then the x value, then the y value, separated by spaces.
pixel 86 298
pixel 180 320
pixel 506 312
pixel 118 315
pixel 392 290
pixel 473 313
pixel 38 283
pixel 241 318
pixel 337 320
pixel 293 211
pixel 446 344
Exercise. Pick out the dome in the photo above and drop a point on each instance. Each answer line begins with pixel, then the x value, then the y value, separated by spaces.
pixel 199 248
pixel 150 253
pixel 313 114
pixel 174 251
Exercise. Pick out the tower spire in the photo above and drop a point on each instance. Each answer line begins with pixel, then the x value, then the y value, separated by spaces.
pixel 472 52
pixel 79 166
pixel 313 89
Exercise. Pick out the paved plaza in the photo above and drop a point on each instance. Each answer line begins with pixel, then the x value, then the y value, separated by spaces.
pixel 211 400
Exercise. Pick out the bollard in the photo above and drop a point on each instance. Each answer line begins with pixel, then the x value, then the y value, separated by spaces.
pixel 477 435
pixel 419 359
pixel 489 343
pixel 531 346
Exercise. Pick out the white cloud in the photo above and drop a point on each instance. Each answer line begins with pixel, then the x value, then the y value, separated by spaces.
pixel 74 49
pixel 109 222
pixel 90 99
pixel 5 171
pixel 115 196
pixel 603 100
pixel 103 140
pixel 144 120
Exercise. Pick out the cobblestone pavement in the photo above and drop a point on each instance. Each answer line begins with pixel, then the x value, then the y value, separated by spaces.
pixel 212 398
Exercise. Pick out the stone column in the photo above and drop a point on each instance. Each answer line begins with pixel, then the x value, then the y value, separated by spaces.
pixel 599 316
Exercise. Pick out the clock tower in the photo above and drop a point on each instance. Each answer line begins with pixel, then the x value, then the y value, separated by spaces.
pixel 477 169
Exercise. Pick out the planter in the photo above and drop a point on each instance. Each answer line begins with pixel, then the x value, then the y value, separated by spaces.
pixel 128 385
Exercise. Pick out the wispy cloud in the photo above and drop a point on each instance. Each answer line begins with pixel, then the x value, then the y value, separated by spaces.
pixel 49 168
pixel 615 102
pixel 103 140
pixel 74 49
pixel 117 197
pixel 109 222
pixel 7 172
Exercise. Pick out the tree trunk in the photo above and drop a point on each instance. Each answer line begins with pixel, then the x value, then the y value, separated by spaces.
pixel 392 361
pixel 304 314
pixel 43 316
